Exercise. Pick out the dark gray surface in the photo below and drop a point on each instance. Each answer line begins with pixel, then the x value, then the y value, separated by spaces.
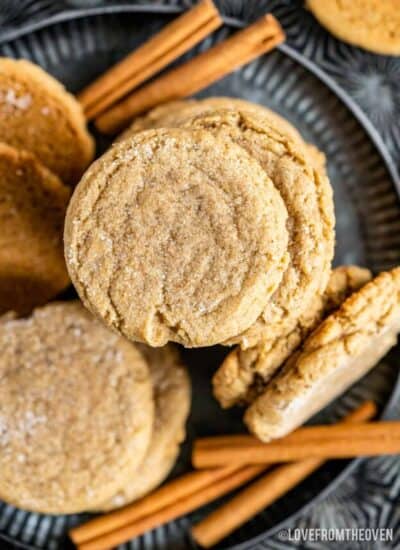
pixel 368 226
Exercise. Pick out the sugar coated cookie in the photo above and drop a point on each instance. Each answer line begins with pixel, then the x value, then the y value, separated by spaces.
pixel 32 210
pixel 176 235
pixel 340 351
pixel 37 114
pixel 171 389
pixel 370 24
pixel 244 373
pixel 76 410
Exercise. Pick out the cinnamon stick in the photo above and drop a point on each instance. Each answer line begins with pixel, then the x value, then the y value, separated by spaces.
pixel 179 508
pixel 176 489
pixel 170 43
pixel 197 73
pixel 221 440
pixel 263 492
pixel 336 441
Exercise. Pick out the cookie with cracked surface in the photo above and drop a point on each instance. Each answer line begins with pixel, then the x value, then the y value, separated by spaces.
pixel 76 410
pixel 346 345
pixel 176 235
pixel 244 373
pixel 37 114
pixel 177 113
pixel 254 138
pixel 32 210
pixel 307 195
pixel 371 24
pixel 172 396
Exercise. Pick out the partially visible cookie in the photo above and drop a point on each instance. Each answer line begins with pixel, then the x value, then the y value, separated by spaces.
pixel 245 372
pixel 176 235
pixel 76 410
pixel 370 24
pixel 172 396
pixel 177 113
pixel 33 202
pixel 307 195
pixel 298 172
pixel 339 352
pixel 37 114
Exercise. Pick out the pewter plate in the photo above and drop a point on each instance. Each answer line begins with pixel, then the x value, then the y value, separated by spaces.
pixel 368 233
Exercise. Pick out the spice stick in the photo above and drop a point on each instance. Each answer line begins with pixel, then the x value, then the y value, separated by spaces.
pixel 263 492
pixel 170 43
pixel 220 440
pixel 336 441
pixel 151 69
pixel 165 495
pixel 179 508
pixel 197 73
pixel 305 433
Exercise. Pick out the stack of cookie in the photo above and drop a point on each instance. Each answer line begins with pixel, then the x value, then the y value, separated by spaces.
pixel 211 222
pixel 44 150
pixel 203 232
pixel 88 421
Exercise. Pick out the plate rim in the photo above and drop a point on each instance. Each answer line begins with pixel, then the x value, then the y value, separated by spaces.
pixel 350 104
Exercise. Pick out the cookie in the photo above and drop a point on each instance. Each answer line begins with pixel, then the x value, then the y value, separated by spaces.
pixel 76 410
pixel 37 114
pixel 371 24
pixel 244 128
pixel 171 388
pixel 339 352
pixel 176 235
pixel 261 145
pixel 307 195
pixel 244 373
pixel 177 113
pixel 32 210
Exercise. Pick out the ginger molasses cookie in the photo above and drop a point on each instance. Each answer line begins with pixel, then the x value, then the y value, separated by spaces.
pixel 340 351
pixel 244 373
pixel 370 24
pixel 76 410
pixel 172 396
pixel 37 114
pixel 269 138
pixel 32 210
pixel 307 195
pixel 177 113
pixel 176 235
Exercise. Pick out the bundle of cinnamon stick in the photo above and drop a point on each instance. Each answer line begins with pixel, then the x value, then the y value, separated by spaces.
pixel 120 94
pixel 227 462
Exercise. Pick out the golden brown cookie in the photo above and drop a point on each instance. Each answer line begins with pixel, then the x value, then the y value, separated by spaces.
pixel 256 129
pixel 176 235
pixel 244 373
pixel 370 24
pixel 76 410
pixel 339 352
pixel 177 113
pixel 172 396
pixel 37 114
pixel 33 202
pixel 307 195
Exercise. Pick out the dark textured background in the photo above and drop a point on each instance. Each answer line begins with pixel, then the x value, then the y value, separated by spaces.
pixel 371 496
